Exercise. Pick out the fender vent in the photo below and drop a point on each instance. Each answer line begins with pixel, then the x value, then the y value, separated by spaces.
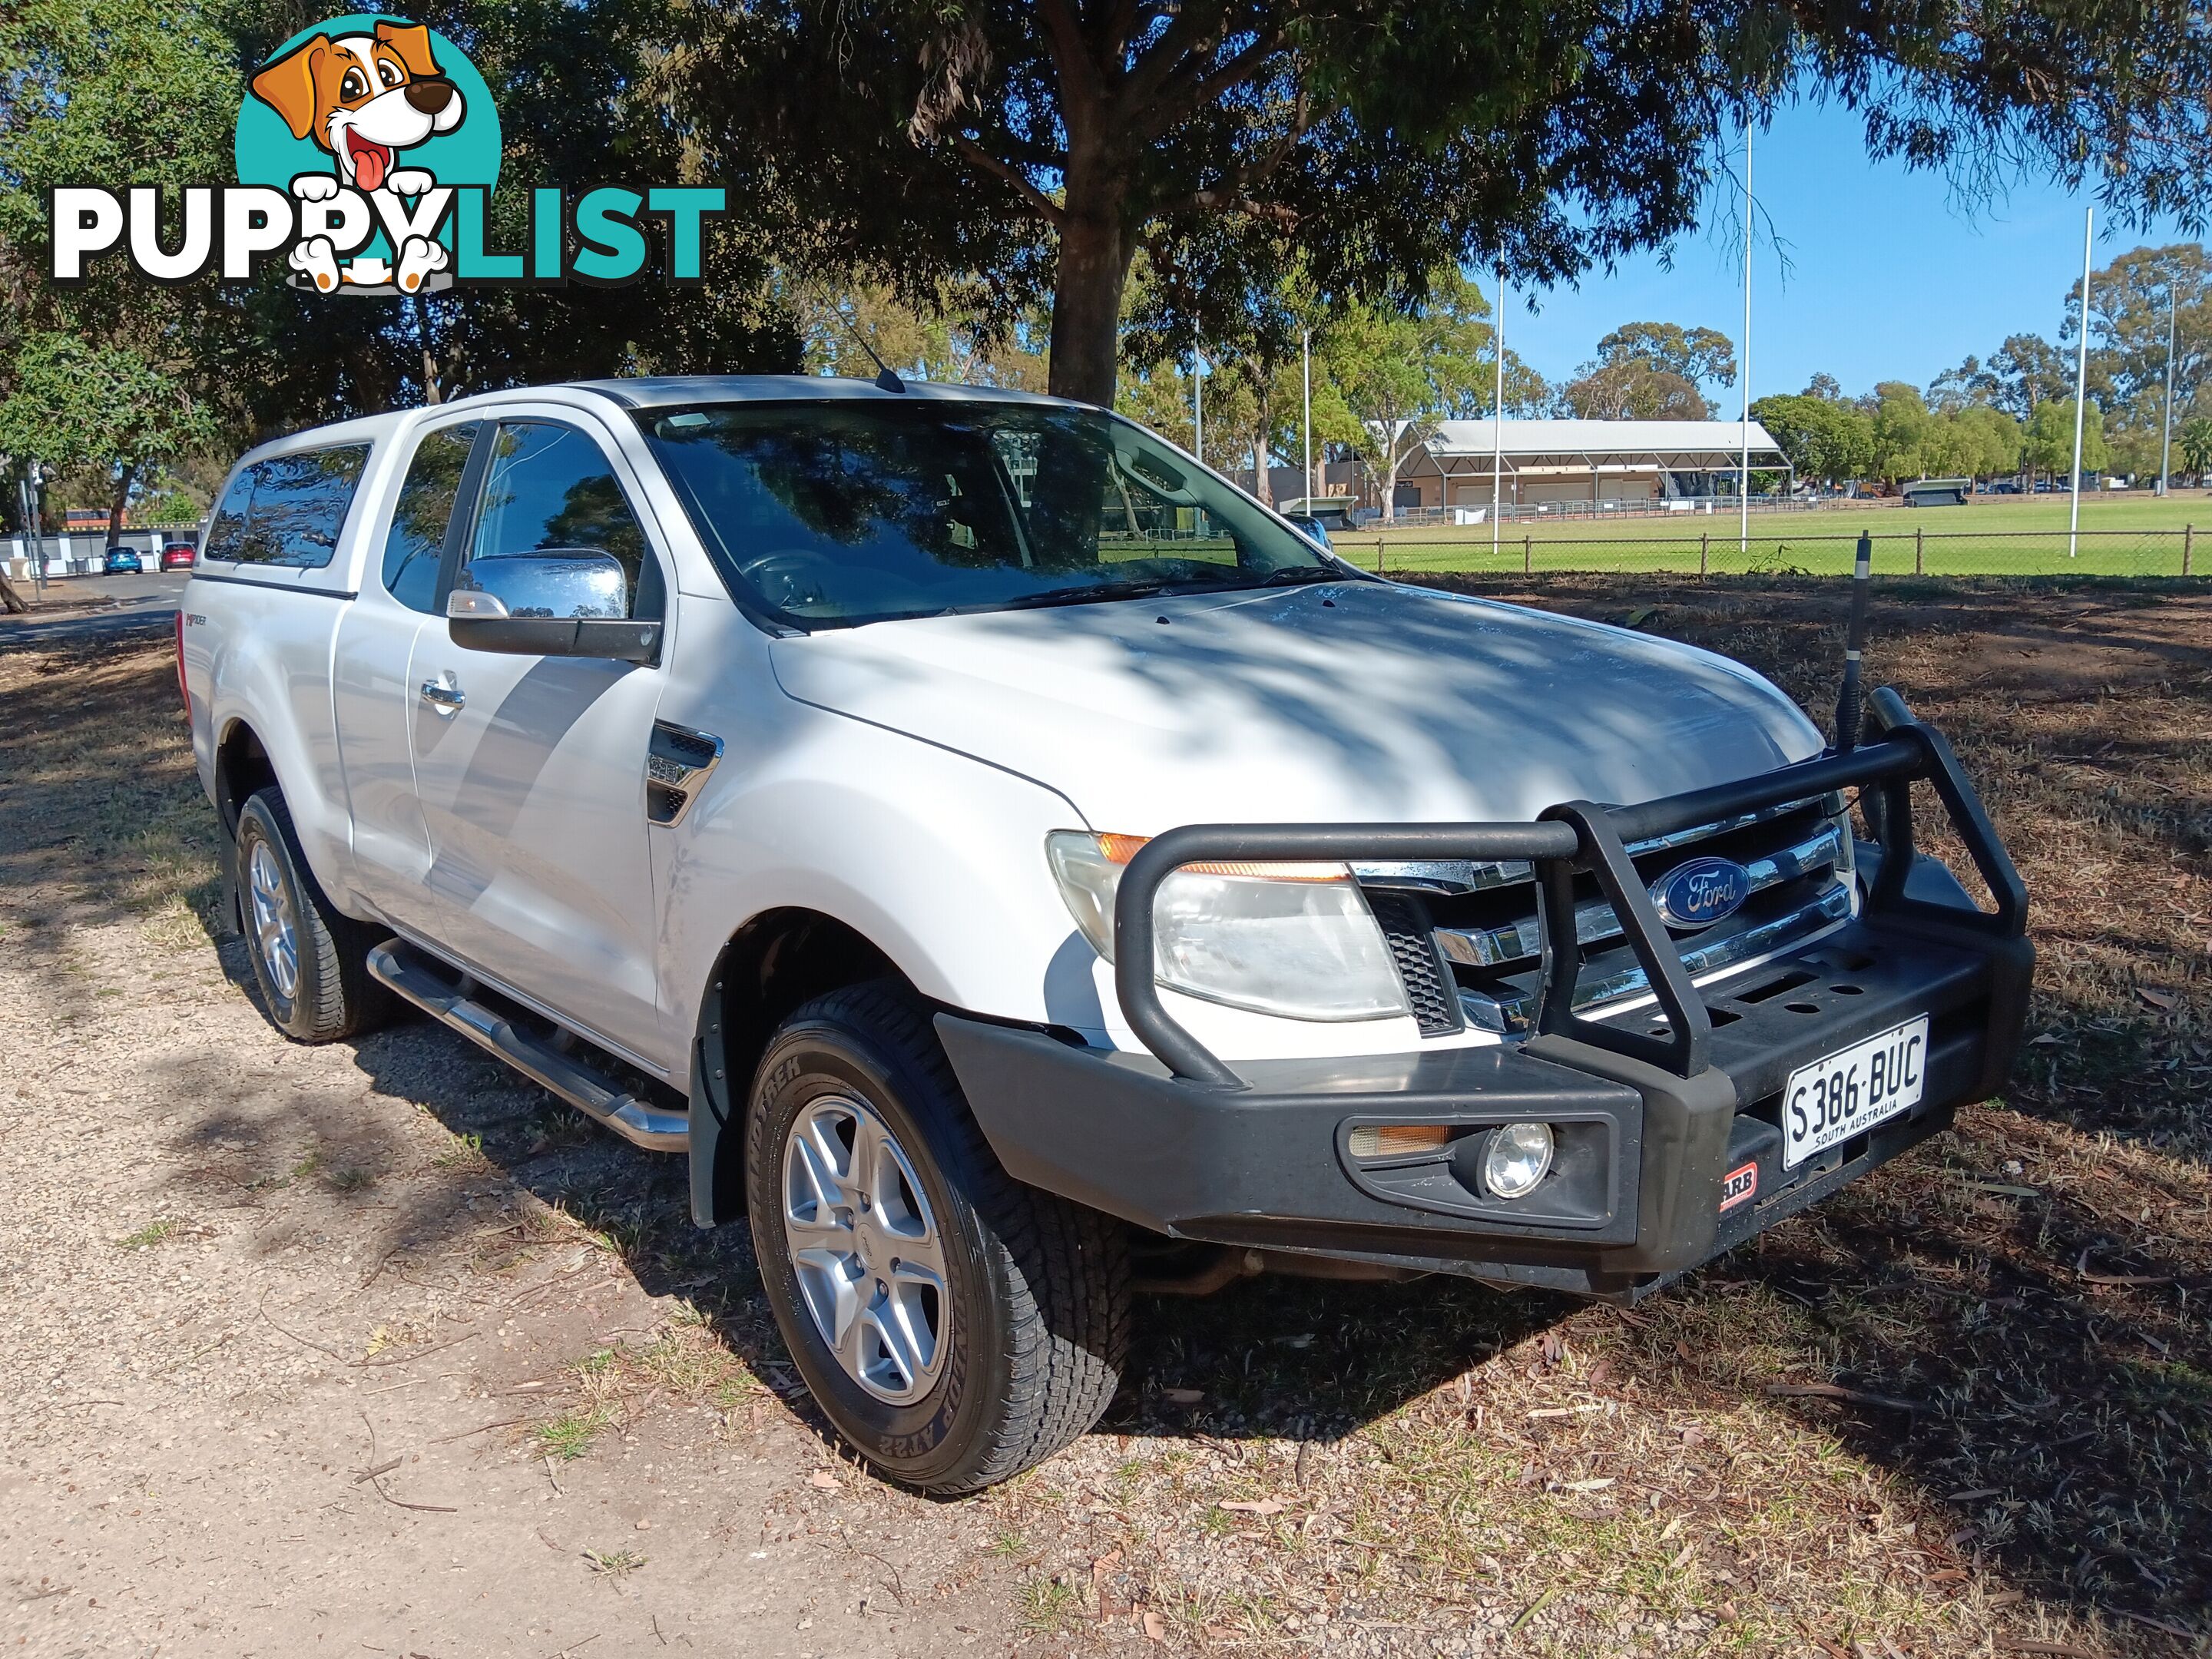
pixel 677 762
pixel 1429 987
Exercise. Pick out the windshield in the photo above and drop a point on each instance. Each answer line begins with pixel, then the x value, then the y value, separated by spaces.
pixel 838 513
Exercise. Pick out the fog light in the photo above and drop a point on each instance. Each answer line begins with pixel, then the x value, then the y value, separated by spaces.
pixel 1395 1139
pixel 1516 1158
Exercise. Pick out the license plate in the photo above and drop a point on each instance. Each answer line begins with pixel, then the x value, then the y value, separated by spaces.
pixel 1853 1089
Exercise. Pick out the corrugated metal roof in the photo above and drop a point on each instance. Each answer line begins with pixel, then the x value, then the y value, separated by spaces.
pixel 1599 437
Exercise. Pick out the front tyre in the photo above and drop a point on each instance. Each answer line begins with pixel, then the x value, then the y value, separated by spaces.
pixel 956 1326
pixel 309 958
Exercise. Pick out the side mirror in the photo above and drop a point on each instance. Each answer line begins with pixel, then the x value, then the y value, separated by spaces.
pixel 567 602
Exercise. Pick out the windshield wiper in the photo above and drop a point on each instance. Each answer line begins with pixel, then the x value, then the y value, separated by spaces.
pixel 1124 590
pixel 1149 587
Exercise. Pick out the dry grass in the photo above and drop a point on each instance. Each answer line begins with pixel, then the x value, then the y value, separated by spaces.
pixel 1434 1468
pixel 113 814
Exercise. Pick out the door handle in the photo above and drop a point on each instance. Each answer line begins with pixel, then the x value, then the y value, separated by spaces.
pixel 445 696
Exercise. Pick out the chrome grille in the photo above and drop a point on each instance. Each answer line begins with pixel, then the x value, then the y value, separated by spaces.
pixel 1490 936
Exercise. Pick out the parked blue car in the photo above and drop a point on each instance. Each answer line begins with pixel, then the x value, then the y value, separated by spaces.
pixel 122 562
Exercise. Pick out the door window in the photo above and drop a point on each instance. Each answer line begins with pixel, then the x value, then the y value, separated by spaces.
pixel 416 541
pixel 554 528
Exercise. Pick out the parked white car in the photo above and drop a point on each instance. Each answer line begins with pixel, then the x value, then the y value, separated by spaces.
pixel 1018 869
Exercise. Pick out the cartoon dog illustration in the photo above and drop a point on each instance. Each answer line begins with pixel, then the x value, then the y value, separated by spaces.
pixel 364 98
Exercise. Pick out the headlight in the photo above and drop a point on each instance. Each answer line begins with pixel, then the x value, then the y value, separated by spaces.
pixel 1293 940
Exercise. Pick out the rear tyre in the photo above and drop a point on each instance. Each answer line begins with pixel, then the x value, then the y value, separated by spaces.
pixel 956 1326
pixel 310 960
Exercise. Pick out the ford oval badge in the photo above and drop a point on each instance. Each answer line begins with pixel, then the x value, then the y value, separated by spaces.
pixel 1700 892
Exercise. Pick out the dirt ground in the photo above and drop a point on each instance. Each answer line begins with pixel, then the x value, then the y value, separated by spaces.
pixel 375 1348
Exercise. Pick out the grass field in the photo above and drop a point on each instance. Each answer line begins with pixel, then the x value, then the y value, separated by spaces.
pixel 2131 536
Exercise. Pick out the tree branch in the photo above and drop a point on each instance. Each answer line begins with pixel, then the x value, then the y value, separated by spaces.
pixel 1079 80
pixel 1189 32
pixel 1034 199
pixel 1121 25
pixel 1231 194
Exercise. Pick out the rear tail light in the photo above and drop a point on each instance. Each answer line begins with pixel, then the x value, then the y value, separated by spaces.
pixel 184 692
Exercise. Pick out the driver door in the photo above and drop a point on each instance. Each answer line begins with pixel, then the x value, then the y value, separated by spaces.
pixel 531 770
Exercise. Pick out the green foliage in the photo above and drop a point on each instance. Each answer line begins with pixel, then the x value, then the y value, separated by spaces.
pixel 2048 437
pixel 2026 372
pixel 77 406
pixel 1370 144
pixel 1633 390
pixel 134 92
pixel 1694 354
pixel 1823 438
pixel 2193 441
pixel 1901 424
pixel 1399 374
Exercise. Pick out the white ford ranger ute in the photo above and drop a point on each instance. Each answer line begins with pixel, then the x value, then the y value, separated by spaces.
pixel 1018 869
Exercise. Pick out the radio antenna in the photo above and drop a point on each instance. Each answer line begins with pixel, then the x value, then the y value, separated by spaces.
pixel 885 379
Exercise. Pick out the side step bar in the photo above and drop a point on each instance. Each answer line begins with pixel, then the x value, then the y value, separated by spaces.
pixel 447 994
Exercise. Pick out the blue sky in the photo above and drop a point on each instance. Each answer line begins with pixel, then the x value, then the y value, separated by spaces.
pixel 1889 278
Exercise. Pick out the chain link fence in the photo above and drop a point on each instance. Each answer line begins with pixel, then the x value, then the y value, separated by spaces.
pixel 1775 550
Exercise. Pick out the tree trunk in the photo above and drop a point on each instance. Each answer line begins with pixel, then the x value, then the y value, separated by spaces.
pixel 11 601
pixel 1263 486
pixel 122 500
pixel 433 387
pixel 1086 293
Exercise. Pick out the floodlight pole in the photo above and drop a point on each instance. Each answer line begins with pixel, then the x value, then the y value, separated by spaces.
pixel 1498 418
pixel 1743 483
pixel 1305 348
pixel 2166 433
pixel 2081 381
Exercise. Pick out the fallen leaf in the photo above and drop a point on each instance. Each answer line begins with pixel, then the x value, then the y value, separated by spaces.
pixel 2048 1040
pixel 1265 1506
pixel 2165 1001
pixel 1155 1628
pixel 1599 1485
pixel 1182 1396
pixel 1638 617
pixel 1970 1496
pixel 826 1480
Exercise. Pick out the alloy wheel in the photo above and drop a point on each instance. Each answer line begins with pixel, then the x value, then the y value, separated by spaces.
pixel 274 932
pixel 866 1247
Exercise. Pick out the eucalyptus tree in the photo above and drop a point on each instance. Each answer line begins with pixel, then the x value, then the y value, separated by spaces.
pixel 1048 142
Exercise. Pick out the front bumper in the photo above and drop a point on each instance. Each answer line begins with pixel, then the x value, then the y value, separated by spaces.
pixel 1651 1126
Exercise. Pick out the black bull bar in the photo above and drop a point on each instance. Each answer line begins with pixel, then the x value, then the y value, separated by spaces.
pixel 1581 836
